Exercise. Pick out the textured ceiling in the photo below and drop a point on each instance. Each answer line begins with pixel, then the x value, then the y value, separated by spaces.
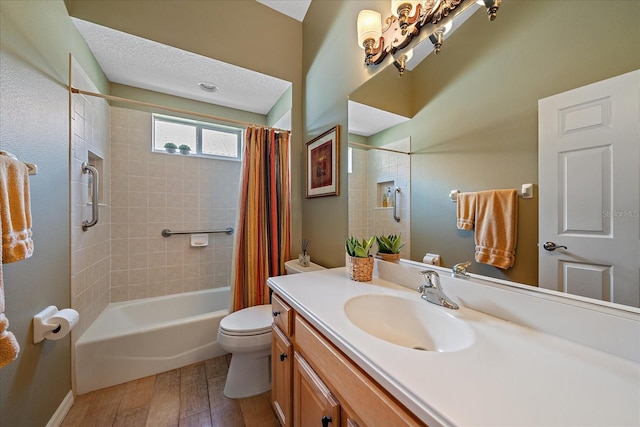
pixel 142 63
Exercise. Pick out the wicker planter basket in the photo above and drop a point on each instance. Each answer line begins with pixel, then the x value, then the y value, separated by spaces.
pixel 388 257
pixel 360 269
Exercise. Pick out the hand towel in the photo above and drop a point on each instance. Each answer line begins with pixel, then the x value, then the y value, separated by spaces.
pixel 496 223
pixel 9 347
pixel 15 229
pixel 15 210
pixel 466 210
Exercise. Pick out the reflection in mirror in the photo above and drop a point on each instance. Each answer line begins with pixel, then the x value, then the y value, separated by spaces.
pixel 474 117
pixel 380 191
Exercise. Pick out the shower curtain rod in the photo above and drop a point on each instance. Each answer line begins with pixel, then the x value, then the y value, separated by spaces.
pixel 172 109
pixel 373 147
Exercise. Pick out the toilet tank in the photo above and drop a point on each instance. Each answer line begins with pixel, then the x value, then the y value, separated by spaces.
pixel 293 267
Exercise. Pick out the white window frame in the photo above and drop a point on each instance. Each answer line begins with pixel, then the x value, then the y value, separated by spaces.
pixel 196 146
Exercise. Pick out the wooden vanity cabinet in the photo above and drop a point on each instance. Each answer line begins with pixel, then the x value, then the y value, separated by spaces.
pixel 313 403
pixel 323 387
pixel 281 360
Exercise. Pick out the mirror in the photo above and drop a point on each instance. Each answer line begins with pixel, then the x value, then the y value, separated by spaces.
pixel 473 110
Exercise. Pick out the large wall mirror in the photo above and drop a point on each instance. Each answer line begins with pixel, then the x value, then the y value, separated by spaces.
pixel 471 115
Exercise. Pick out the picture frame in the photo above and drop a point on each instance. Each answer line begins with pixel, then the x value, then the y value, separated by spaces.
pixel 323 164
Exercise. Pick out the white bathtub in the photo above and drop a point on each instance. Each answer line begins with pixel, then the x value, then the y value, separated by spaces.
pixel 134 339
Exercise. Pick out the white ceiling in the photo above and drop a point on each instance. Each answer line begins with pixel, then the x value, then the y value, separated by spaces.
pixel 296 9
pixel 134 61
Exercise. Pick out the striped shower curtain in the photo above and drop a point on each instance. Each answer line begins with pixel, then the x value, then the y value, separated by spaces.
pixel 262 242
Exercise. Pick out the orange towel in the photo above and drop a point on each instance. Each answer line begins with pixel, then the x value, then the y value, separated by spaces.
pixel 15 207
pixel 466 210
pixel 15 229
pixel 496 223
pixel 9 347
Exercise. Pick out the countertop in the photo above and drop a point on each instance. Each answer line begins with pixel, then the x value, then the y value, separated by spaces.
pixel 510 375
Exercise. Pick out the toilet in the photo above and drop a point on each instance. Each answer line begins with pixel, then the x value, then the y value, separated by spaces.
pixel 246 334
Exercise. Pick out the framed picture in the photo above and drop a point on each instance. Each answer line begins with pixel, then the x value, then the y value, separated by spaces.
pixel 323 164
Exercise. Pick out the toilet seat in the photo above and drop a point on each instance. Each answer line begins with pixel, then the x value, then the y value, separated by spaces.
pixel 249 321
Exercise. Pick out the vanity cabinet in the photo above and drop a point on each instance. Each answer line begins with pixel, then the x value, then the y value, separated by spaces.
pixel 281 361
pixel 323 386
pixel 313 403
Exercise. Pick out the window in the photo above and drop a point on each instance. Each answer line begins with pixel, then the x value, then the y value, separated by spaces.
pixel 204 139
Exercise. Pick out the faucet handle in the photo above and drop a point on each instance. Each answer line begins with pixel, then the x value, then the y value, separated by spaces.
pixel 461 268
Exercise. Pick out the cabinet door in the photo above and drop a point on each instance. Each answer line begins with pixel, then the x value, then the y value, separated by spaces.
pixel 313 403
pixel 281 369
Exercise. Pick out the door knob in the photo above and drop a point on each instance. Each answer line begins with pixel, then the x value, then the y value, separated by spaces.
pixel 326 420
pixel 283 356
pixel 550 246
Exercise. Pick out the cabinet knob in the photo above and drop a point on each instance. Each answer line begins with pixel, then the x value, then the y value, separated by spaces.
pixel 275 313
pixel 325 421
pixel 282 357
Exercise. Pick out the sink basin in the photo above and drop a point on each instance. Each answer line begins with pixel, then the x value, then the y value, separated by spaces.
pixel 417 324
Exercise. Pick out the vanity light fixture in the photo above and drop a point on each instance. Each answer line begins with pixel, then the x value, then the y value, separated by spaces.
pixel 402 60
pixel 437 37
pixel 379 38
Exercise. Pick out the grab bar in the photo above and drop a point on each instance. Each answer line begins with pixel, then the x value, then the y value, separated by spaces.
pixel 166 232
pixel 395 204
pixel 87 168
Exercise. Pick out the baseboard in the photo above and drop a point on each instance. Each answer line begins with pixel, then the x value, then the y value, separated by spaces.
pixel 62 411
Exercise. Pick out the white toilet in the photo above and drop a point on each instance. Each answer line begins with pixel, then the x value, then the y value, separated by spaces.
pixel 246 334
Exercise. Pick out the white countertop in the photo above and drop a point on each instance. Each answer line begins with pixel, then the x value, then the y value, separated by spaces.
pixel 510 375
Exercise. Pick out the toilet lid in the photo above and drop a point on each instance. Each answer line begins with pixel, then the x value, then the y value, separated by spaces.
pixel 248 321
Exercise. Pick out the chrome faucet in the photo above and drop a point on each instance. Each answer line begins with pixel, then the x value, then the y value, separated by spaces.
pixel 460 269
pixel 432 290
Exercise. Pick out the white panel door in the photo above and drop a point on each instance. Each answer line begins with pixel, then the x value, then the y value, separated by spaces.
pixel 589 163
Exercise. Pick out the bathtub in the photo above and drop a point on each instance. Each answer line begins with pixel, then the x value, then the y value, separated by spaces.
pixel 134 339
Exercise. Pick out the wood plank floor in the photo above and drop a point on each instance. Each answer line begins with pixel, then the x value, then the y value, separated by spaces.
pixel 190 396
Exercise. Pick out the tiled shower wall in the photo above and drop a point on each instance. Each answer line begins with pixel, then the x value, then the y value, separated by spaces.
pixel 153 191
pixel 371 170
pixel 90 250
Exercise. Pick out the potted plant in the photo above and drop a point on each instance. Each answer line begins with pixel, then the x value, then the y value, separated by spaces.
pixel 184 149
pixel 389 247
pixel 170 147
pixel 303 258
pixel 360 263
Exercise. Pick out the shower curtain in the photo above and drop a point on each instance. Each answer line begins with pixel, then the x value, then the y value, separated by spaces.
pixel 262 241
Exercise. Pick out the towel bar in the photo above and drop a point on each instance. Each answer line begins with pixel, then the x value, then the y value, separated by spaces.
pixel 526 192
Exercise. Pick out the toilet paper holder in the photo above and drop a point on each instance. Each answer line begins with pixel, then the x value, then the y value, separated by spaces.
pixel 41 325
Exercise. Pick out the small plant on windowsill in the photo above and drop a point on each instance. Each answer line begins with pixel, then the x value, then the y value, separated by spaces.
pixel 184 149
pixel 170 147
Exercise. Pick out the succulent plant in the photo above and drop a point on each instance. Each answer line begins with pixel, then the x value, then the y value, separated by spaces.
pixel 390 244
pixel 359 249
pixel 170 145
pixel 184 147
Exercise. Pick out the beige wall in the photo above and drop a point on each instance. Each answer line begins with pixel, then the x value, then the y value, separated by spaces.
pixel 475 107
pixel 36 38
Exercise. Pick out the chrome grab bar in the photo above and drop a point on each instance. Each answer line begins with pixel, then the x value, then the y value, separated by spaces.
pixel 395 204
pixel 87 168
pixel 166 232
